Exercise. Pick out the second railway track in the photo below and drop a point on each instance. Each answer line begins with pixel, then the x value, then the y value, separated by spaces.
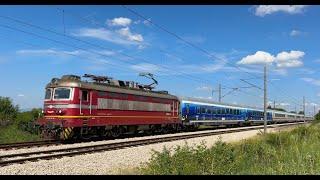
pixel 64 152
pixel 29 144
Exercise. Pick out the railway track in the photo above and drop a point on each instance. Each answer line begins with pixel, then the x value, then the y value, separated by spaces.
pixel 29 144
pixel 58 153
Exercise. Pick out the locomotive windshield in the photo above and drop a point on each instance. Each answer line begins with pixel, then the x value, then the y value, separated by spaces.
pixel 48 94
pixel 62 93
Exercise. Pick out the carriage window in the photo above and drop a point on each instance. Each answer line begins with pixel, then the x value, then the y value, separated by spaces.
pixel 62 93
pixel 209 111
pixel 198 110
pixel 84 95
pixel 203 110
pixel 48 94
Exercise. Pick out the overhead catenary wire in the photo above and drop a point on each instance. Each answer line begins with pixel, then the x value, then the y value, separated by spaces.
pixel 102 47
pixel 96 23
pixel 189 43
pixel 93 45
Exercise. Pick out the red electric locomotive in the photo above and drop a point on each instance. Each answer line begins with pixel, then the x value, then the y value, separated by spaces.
pixel 74 108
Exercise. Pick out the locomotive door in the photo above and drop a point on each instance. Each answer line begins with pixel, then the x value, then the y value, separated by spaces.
pixel 85 102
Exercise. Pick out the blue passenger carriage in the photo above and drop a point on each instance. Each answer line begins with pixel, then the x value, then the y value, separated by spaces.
pixel 204 112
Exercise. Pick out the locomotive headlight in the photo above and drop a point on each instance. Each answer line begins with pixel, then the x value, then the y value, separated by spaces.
pixel 60 111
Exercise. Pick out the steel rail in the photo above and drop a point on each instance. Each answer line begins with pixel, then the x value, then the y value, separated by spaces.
pixel 41 155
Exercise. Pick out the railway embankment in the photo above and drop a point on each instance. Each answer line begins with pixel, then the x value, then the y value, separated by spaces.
pixel 119 161
pixel 287 152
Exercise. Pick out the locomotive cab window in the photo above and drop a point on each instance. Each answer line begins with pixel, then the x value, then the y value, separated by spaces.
pixel 48 94
pixel 62 93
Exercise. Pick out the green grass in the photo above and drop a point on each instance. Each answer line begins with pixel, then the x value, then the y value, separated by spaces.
pixel 291 152
pixel 12 134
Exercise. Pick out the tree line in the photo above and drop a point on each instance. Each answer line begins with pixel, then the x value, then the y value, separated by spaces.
pixel 11 114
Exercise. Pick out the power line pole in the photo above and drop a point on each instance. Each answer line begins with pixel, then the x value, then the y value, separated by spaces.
pixel 304 106
pixel 274 104
pixel 265 99
pixel 219 93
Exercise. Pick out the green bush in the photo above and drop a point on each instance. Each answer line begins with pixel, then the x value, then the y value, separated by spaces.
pixel 17 126
pixel 12 134
pixel 8 112
pixel 292 152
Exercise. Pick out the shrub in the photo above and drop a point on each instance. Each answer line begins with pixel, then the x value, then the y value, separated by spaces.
pixel 293 152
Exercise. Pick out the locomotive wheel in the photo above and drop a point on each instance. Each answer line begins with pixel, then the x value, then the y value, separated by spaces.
pixel 165 130
pixel 115 132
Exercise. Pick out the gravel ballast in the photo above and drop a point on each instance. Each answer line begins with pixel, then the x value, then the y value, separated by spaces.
pixel 110 162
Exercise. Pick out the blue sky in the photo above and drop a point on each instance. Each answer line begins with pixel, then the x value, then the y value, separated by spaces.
pixel 110 40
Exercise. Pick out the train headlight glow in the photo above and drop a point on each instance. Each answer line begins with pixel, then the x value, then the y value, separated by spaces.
pixel 60 111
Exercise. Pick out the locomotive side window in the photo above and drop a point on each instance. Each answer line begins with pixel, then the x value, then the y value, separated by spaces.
pixel 48 94
pixel 62 93
pixel 85 96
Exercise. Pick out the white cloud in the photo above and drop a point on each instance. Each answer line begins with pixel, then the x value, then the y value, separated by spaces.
pixel 318 94
pixel 122 36
pixel 125 32
pixel 289 59
pixel 284 104
pixel 306 71
pixel 103 34
pixel 204 88
pixel 282 60
pixel 295 33
pixel 315 82
pixel 145 67
pixel 46 52
pixel 20 95
pixel 62 53
pixel 213 67
pixel 263 10
pixel 260 57
pixel 145 22
pixel 195 39
pixel 293 63
pixel 120 21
